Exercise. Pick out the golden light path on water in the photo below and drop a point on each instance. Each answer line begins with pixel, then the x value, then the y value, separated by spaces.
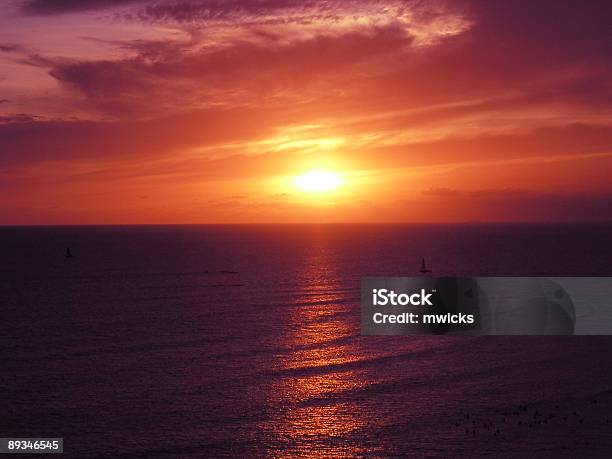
pixel 309 424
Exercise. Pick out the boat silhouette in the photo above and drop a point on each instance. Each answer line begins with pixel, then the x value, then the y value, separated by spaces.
pixel 424 269
pixel 68 253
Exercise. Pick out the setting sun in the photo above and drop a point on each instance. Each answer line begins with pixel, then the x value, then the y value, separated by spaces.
pixel 318 181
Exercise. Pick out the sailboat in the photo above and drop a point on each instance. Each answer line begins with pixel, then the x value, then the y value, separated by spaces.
pixel 68 253
pixel 424 269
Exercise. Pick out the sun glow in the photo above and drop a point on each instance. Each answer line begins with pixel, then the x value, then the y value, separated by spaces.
pixel 318 181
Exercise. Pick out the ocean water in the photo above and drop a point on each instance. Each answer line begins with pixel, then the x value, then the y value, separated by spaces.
pixel 244 341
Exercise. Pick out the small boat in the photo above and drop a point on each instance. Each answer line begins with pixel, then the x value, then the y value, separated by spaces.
pixel 68 253
pixel 424 269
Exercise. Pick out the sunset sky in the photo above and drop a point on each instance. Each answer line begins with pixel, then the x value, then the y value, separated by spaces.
pixel 201 111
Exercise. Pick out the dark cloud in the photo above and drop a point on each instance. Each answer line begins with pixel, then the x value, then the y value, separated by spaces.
pixel 198 11
pixel 492 193
pixel 516 205
pixel 15 118
pixel 49 7
pixel 184 11
pixel 569 26
pixel 11 47
pixel 162 72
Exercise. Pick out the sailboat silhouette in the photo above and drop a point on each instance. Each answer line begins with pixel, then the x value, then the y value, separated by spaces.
pixel 424 269
pixel 68 253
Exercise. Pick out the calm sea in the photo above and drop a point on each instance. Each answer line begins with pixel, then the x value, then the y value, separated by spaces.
pixel 243 341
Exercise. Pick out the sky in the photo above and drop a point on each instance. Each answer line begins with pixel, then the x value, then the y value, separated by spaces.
pixel 210 111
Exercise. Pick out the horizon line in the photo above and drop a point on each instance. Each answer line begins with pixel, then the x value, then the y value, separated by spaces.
pixel 463 222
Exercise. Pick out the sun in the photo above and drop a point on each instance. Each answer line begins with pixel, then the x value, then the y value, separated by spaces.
pixel 318 181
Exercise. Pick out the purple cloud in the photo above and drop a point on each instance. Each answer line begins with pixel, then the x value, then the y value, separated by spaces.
pixel 50 7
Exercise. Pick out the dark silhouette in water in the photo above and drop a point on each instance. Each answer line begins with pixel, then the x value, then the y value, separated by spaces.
pixel 68 253
pixel 424 269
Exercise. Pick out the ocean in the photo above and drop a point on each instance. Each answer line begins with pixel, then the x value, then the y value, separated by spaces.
pixel 244 341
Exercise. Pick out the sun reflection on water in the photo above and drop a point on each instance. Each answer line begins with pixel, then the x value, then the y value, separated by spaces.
pixel 314 417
